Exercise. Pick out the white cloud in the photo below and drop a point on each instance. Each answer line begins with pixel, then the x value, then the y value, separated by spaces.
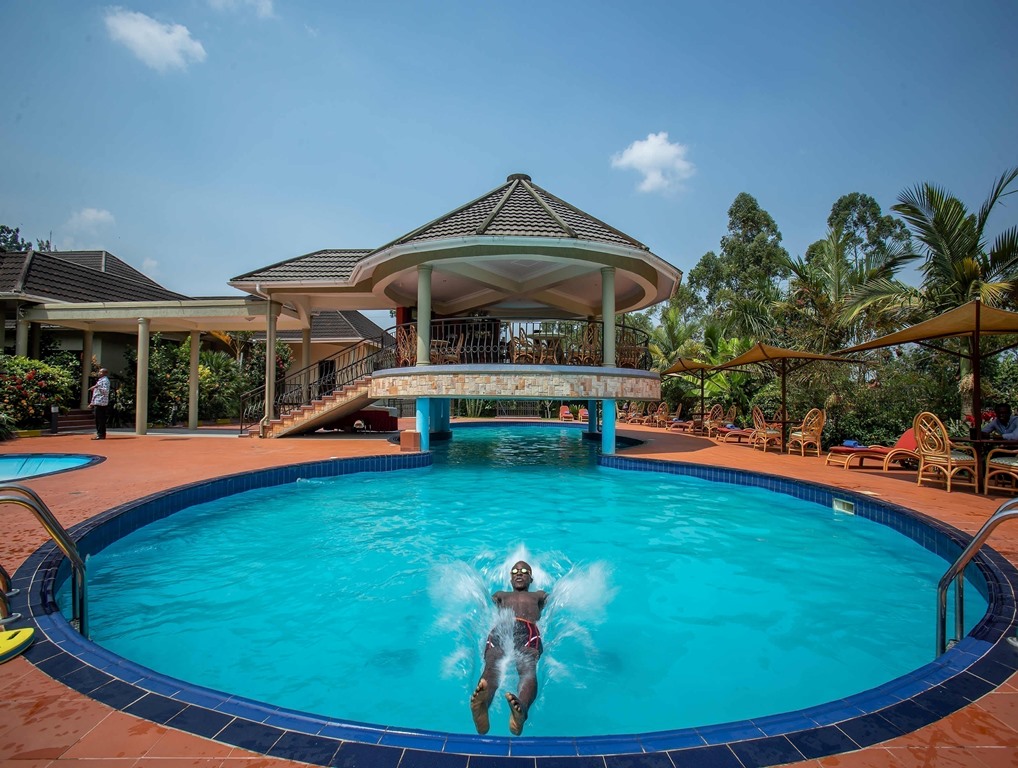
pixel 149 266
pixel 160 46
pixel 262 8
pixel 89 220
pixel 662 163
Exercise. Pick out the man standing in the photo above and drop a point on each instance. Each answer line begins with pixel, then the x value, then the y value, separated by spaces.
pixel 100 403
pixel 526 607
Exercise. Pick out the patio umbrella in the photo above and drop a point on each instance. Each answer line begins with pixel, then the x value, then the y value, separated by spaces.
pixel 777 358
pixel 693 367
pixel 972 320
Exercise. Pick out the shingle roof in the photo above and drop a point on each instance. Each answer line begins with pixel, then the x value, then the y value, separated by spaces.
pixel 346 325
pixel 327 264
pixel 519 208
pixel 104 261
pixel 46 276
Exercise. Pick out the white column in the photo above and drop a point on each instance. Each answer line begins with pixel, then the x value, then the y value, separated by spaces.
pixel 270 364
pixel 86 366
pixel 424 315
pixel 305 361
pixel 141 386
pixel 608 314
pixel 192 382
pixel 21 338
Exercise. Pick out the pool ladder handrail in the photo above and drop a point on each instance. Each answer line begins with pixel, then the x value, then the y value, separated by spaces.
pixel 1008 510
pixel 79 590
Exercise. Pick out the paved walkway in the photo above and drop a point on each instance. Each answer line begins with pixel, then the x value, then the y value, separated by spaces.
pixel 42 723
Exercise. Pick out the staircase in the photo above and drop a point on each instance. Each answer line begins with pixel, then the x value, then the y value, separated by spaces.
pixel 321 412
pixel 76 420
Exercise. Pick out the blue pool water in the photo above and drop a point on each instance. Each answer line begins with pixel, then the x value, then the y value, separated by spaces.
pixel 674 601
pixel 23 466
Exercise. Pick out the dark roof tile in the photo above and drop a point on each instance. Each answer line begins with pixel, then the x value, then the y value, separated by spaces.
pixel 328 264
pixel 50 278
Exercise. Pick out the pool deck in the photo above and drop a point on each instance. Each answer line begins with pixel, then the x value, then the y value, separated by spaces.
pixel 43 723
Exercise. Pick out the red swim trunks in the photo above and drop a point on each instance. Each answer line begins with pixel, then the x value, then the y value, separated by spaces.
pixel 525 635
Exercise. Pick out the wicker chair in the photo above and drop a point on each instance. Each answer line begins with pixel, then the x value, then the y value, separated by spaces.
pixel 406 346
pixel 939 458
pixel 1001 464
pixel 808 432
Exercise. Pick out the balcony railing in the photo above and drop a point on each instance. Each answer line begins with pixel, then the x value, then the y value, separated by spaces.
pixel 522 342
pixel 458 341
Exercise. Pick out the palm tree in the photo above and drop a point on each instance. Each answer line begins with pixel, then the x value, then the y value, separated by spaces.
pixel 957 266
pixel 669 337
pixel 821 288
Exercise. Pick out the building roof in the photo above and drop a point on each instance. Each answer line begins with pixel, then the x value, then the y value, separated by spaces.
pixel 338 326
pixel 84 277
pixel 519 208
pixel 517 250
pixel 327 264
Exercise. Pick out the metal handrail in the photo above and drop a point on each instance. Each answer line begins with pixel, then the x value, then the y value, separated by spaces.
pixel 31 501
pixel 1006 511
pixel 305 385
pixel 468 339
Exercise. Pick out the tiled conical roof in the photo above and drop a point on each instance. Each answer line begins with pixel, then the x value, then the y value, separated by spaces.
pixel 519 208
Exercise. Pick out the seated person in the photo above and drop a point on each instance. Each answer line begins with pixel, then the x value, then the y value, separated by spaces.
pixel 1004 423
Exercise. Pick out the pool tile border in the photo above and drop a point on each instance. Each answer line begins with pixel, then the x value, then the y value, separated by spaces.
pixel 973 667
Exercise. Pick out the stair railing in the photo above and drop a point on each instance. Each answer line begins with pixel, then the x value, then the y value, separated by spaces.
pixel 20 495
pixel 1008 510
pixel 319 379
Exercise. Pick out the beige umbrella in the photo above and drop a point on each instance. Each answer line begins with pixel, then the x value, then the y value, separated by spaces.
pixel 777 358
pixel 972 320
pixel 694 367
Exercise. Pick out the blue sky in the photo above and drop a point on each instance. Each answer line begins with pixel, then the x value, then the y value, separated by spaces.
pixel 200 139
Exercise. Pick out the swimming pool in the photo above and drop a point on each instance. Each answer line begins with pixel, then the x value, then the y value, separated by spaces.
pixel 25 465
pixel 848 713
pixel 659 583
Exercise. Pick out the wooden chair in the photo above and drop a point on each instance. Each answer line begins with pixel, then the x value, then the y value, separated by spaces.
pixel 587 350
pixel 779 418
pixel 939 458
pixel 765 433
pixel 651 415
pixel 1001 463
pixel 808 432
pixel 662 417
pixel 521 349
pixel 450 355
pixel 728 435
pixel 406 346
pixel 713 426
pixel 637 414
pixel 715 416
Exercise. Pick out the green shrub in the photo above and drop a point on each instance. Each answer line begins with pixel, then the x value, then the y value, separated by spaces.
pixel 29 388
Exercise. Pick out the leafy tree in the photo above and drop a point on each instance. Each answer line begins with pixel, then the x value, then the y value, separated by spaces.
pixel 751 257
pixel 957 266
pixel 815 310
pixel 11 240
pixel 868 233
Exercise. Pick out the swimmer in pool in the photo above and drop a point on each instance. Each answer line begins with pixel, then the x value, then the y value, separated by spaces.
pixel 527 607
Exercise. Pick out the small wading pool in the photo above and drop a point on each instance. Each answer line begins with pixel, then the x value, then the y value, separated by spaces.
pixel 25 465
pixel 655 595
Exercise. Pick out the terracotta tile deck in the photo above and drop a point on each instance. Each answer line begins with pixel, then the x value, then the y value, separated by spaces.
pixel 42 723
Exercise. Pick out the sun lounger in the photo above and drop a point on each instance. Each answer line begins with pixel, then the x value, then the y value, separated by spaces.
pixel 902 452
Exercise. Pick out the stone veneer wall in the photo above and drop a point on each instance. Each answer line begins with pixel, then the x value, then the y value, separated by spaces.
pixel 514 382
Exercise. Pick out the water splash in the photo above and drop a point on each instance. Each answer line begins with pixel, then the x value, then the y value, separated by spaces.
pixel 578 598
